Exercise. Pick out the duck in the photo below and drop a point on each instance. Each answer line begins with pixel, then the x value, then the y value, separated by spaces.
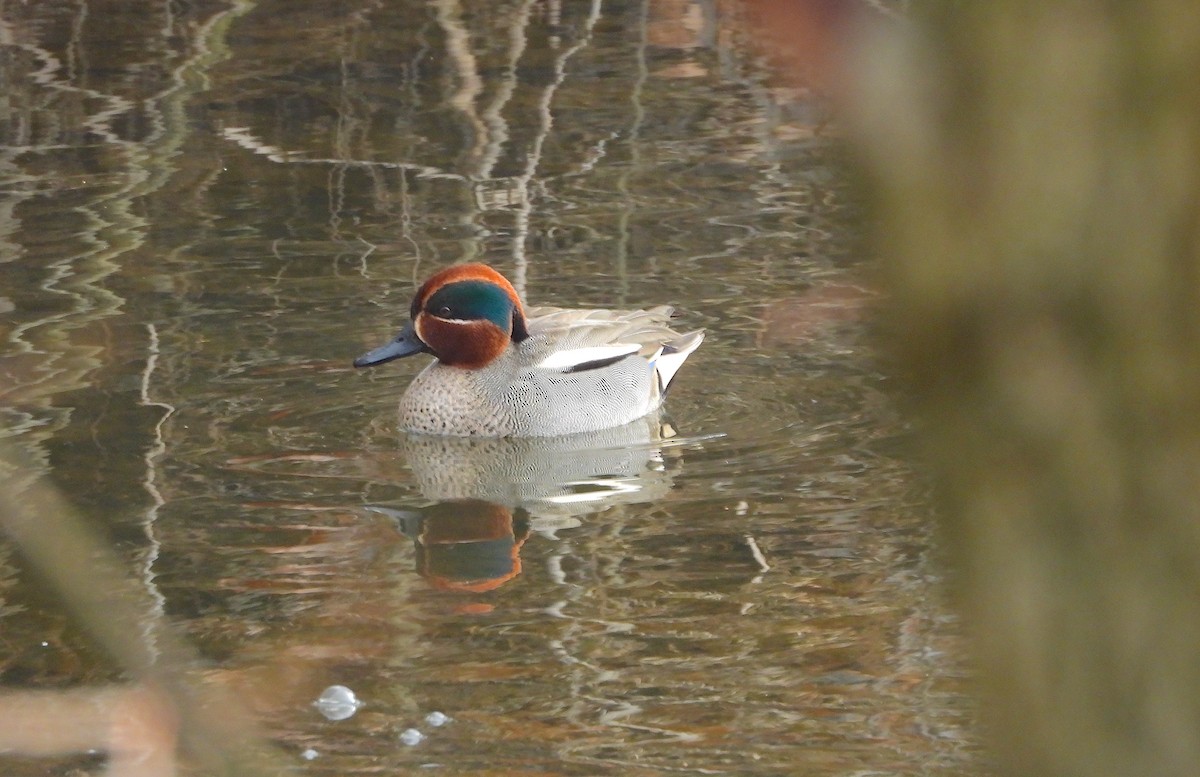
pixel 502 370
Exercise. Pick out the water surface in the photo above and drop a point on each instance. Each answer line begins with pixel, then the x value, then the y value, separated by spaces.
pixel 209 209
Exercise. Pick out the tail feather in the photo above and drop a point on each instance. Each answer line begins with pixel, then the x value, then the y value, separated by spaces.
pixel 673 354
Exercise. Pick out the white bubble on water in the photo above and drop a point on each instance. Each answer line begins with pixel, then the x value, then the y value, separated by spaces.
pixel 437 719
pixel 337 702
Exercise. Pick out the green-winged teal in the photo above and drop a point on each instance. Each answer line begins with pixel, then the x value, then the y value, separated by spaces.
pixel 504 371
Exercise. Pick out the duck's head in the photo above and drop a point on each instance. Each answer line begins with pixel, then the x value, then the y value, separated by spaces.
pixel 465 315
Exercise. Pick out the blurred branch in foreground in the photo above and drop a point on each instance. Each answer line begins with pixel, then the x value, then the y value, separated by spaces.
pixel 1035 175
pixel 136 725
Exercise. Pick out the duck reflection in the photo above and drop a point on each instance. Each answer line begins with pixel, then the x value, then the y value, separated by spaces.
pixel 465 545
pixel 490 494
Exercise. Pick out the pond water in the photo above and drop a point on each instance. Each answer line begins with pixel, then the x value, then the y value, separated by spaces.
pixel 210 208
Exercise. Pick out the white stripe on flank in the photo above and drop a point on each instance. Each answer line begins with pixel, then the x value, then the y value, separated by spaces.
pixel 565 360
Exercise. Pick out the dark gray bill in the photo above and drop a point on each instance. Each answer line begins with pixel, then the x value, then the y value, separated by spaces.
pixel 406 344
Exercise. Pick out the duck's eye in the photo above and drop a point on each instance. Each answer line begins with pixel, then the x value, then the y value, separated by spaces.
pixel 444 311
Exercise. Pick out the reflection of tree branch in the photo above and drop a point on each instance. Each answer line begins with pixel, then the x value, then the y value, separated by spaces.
pixel 348 123
pixel 243 137
pixel 545 123
pixel 458 50
pixel 149 482
pixel 113 226
pixel 639 114
pixel 75 274
pixel 508 84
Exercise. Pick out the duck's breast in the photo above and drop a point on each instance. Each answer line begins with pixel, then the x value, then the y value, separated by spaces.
pixel 455 401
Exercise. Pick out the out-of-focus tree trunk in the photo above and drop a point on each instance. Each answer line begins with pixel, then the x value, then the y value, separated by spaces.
pixel 1034 170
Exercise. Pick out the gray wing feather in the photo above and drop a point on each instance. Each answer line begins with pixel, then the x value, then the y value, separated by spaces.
pixel 556 329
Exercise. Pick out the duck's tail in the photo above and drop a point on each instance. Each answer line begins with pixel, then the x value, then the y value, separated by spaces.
pixel 673 354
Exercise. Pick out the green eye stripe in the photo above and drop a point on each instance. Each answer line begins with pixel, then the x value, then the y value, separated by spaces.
pixel 472 301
